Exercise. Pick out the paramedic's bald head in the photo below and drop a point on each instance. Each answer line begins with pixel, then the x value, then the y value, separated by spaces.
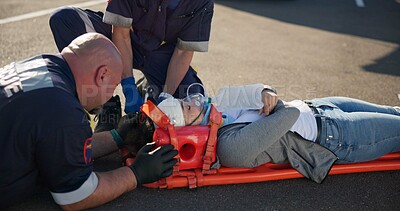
pixel 97 68
pixel 91 49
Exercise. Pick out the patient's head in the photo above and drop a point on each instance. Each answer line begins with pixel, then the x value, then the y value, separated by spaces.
pixel 184 112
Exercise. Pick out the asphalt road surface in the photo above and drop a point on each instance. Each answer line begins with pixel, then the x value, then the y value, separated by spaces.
pixel 305 48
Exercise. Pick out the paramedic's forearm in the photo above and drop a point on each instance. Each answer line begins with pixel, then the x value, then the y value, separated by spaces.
pixel 177 69
pixel 103 144
pixel 122 39
pixel 111 185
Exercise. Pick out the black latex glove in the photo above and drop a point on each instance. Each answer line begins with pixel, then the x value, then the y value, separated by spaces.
pixel 135 130
pixel 126 124
pixel 150 166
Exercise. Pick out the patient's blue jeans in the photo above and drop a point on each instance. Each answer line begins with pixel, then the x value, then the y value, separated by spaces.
pixel 356 130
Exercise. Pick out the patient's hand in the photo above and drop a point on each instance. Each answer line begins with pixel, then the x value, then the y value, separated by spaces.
pixel 269 99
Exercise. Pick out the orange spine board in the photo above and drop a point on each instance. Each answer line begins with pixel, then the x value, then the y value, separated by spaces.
pixel 269 172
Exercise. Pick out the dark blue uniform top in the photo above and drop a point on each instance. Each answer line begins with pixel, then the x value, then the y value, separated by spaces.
pixel 186 23
pixel 45 136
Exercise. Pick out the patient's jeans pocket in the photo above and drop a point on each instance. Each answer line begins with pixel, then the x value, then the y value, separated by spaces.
pixel 332 138
pixel 332 132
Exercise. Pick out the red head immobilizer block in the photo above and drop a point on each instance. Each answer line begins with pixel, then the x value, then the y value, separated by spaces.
pixel 192 142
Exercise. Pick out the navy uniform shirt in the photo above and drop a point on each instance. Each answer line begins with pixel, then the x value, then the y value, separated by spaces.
pixel 45 137
pixel 186 23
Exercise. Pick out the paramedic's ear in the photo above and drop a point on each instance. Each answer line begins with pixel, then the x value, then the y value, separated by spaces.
pixel 101 75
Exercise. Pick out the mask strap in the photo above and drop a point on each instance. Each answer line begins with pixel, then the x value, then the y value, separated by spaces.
pixel 199 84
pixel 198 116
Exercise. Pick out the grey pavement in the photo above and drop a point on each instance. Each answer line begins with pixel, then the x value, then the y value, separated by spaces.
pixel 305 48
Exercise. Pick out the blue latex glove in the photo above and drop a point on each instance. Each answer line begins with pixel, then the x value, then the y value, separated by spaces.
pixel 132 96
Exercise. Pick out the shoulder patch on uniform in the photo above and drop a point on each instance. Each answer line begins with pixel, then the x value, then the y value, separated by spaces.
pixel 87 150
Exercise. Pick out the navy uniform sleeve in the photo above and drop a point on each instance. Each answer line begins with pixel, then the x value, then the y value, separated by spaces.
pixel 64 154
pixel 195 36
pixel 119 13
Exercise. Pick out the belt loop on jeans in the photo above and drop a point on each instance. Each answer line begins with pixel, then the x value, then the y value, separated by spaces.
pixel 318 120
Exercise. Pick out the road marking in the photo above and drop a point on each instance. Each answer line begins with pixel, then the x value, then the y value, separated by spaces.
pixel 47 11
pixel 360 3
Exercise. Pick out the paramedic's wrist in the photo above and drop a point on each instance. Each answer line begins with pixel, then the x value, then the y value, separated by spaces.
pixel 126 124
pixel 117 138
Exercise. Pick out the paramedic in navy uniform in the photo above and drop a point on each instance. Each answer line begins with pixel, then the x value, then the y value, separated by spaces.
pixel 158 37
pixel 45 136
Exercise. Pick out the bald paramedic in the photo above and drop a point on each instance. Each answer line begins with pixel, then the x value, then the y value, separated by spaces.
pixel 45 135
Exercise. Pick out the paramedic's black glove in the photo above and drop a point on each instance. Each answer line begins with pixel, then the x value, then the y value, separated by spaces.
pixel 134 130
pixel 150 166
pixel 126 124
